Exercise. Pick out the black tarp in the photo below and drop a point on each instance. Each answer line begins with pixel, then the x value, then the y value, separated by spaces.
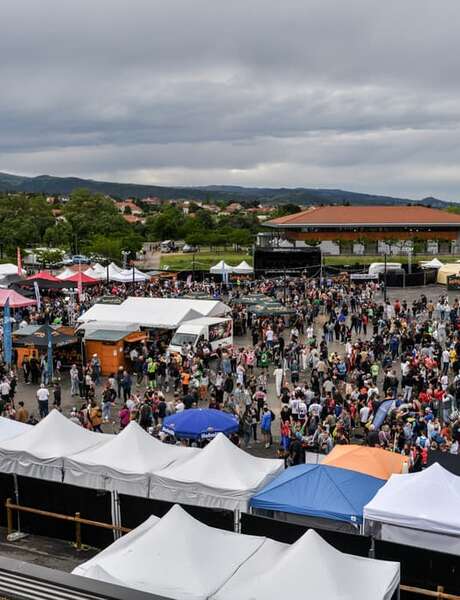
pixel 451 462
pixel 135 511
pixel 6 491
pixel 67 500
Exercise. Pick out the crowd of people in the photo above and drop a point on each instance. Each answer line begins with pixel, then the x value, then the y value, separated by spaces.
pixel 343 367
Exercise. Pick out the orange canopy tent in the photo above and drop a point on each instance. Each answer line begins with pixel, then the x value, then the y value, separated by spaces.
pixel 371 461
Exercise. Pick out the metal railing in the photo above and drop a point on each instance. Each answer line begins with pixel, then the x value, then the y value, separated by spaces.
pixel 77 519
pixel 439 594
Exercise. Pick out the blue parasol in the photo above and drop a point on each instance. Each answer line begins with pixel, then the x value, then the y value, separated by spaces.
pixel 200 423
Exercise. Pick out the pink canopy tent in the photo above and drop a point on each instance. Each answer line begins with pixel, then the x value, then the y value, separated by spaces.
pixel 16 300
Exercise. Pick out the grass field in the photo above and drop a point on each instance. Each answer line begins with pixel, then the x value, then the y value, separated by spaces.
pixel 203 260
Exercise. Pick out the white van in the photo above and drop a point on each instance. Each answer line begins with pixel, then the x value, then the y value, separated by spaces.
pixel 376 268
pixel 218 331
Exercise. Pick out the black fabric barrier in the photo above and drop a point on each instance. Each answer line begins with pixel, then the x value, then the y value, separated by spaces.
pixel 422 568
pixel 418 278
pixel 67 500
pixel 6 491
pixel 290 533
pixel 451 462
pixel 135 511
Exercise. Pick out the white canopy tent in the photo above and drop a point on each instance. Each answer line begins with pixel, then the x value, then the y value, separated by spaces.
pixel 161 313
pixel 10 428
pixel 8 269
pixel 327 572
pixel 220 476
pixel 418 509
pixel 220 268
pixel 243 269
pixel 97 271
pixel 175 557
pixel 40 450
pixel 124 463
pixel 65 273
pixel 127 276
pixel 180 558
pixel 434 263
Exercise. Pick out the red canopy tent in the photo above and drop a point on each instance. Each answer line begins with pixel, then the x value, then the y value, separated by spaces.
pixel 44 276
pixel 16 299
pixel 81 277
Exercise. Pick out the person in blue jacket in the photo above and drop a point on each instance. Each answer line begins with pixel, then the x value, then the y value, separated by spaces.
pixel 266 425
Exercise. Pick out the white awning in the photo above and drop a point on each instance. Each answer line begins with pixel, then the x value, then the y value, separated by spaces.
pixel 40 450
pixel 124 463
pixel 419 509
pixel 238 477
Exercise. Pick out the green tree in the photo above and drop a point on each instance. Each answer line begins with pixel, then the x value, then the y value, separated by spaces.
pixel 93 214
pixel 167 225
pixel 59 234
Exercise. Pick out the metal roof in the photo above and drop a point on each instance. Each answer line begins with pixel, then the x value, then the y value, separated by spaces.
pixel 106 335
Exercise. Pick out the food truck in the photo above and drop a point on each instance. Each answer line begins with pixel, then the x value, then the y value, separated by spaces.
pixel 218 331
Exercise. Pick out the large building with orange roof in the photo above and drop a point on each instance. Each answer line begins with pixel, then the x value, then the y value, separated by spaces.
pixel 376 223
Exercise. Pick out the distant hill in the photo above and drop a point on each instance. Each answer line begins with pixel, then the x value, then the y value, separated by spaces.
pixel 48 184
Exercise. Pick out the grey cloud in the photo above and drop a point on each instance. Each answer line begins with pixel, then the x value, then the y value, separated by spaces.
pixel 257 92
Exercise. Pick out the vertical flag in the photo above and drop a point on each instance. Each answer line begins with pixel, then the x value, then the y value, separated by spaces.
pixel 7 340
pixel 80 283
pixel 50 354
pixel 37 295
pixel 19 261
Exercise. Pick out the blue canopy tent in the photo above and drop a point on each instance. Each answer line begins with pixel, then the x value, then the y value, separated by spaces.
pixel 200 423
pixel 319 492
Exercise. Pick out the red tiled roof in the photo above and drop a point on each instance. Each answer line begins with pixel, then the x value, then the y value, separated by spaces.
pixel 367 215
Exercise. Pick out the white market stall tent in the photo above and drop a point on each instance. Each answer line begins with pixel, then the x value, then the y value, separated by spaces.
pixel 180 558
pixel 220 476
pixel 243 269
pixel 161 313
pixel 65 273
pixel 221 268
pixel 128 275
pixel 9 428
pixel 434 263
pixel 97 271
pixel 418 509
pixel 125 463
pixel 175 557
pixel 276 570
pixel 39 452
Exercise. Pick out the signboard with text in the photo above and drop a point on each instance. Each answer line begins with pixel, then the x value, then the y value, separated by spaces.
pixel 453 282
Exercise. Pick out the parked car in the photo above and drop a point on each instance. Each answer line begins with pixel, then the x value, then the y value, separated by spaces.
pixel 79 259
pixel 189 248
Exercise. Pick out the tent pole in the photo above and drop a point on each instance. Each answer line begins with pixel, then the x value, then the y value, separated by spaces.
pixel 371 553
pixel 237 521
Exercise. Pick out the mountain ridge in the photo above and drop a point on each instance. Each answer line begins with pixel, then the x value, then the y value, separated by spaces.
pixel 49 184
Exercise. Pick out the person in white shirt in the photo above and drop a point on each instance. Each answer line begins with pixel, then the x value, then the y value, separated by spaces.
pixel 43 398
pixel 364 414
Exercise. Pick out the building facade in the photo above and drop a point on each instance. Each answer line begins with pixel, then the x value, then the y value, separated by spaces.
pixel 372 229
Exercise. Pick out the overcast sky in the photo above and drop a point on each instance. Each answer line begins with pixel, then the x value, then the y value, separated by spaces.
pixel 357 94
